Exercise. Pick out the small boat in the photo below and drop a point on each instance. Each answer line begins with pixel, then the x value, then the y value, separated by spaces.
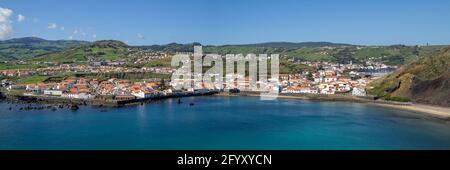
pixel 179 101
pixel 191 104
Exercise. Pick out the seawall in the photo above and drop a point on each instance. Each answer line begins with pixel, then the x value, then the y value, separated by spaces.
pixel 95 102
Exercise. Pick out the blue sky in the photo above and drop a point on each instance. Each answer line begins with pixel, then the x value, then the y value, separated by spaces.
pixel 219 22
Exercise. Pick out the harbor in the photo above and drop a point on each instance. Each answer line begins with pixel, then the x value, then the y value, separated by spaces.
pixel 70 103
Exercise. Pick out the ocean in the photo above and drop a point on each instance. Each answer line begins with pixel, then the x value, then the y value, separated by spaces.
pixel 227 123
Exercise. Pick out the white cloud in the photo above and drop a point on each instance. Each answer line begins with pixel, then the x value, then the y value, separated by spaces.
pixel 20 18
pixel 94 36
pixel 52 26
pixel 75 32
pixel 6 29
pixel 5 13
pixel 140 36
pixel 70 37
pixel 83 34
pixel 61 28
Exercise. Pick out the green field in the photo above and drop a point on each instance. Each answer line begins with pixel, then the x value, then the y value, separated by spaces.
pixel 31 47
pixel 32 79
pixel 165 62
pixel 10 66
pixel 98 51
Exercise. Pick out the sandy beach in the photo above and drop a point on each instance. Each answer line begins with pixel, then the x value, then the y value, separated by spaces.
pixel 430 110
pixel 434 111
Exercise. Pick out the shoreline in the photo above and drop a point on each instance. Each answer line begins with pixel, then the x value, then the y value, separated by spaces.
pixel 428 110
pixel 438 112
pixel 95 102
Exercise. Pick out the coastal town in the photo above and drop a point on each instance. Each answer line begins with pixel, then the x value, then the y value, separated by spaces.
pixel 328 79
pixel 67 68
pixel 333 78
pixel 224 83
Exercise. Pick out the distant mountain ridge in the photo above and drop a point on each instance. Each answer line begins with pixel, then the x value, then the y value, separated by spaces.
pixel 286 45
pixel 30 47
pixel 171 47
pixel 109 44
pixel 104 50
pixel 292 44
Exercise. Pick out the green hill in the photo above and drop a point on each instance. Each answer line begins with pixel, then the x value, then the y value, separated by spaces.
pixel 426 80
pixel 105 50
pixel 241 48
pixel 79 51
pixel 170 48
pixel 293 45
pixel 29 47
pixel 324 51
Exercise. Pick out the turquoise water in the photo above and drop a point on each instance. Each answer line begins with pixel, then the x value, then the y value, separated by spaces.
pixel 222 123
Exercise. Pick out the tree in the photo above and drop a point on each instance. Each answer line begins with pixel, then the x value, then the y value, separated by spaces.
pixel 310 76
pixel 162 85
pixel 344 56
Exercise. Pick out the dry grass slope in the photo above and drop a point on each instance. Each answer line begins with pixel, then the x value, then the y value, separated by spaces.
pixel 424 81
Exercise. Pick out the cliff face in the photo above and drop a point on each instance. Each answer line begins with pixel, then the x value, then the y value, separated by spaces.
pixel 426 80
pixel 435 91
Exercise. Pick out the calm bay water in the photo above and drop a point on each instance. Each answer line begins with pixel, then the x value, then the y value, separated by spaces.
pixel 222 123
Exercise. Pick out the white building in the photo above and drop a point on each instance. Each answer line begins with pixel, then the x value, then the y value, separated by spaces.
pixel 309 90
pixel 358 91
pixel 330 79
pixel 78 95
pixel 142 94
pixel 53 92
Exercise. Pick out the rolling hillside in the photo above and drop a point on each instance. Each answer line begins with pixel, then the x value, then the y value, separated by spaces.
pixel 30 47
pixel 426 80
pixel 313 51
pixel 105 50
pixel 37 49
